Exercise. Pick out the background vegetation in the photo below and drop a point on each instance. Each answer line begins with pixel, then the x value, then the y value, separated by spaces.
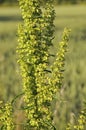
pixel 71 97
pixel 56 1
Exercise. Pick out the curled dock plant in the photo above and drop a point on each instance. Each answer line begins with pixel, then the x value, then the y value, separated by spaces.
pixel 35 39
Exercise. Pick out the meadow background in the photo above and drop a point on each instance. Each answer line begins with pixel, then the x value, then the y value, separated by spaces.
pixel 70 100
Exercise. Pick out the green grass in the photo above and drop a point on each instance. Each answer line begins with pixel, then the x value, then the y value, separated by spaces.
pixel 9 19
pixel 73 17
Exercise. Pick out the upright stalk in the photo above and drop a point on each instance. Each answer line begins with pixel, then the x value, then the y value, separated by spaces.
pixel 38 78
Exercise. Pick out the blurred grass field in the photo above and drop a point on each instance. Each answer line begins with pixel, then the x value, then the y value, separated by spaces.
pixel 9 83
pixel 73 17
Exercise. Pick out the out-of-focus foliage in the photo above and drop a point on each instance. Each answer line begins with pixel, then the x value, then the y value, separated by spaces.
pixel 69 1
pixel 43 1
pixel 74 91
pixel 8 1
pixel 9 19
